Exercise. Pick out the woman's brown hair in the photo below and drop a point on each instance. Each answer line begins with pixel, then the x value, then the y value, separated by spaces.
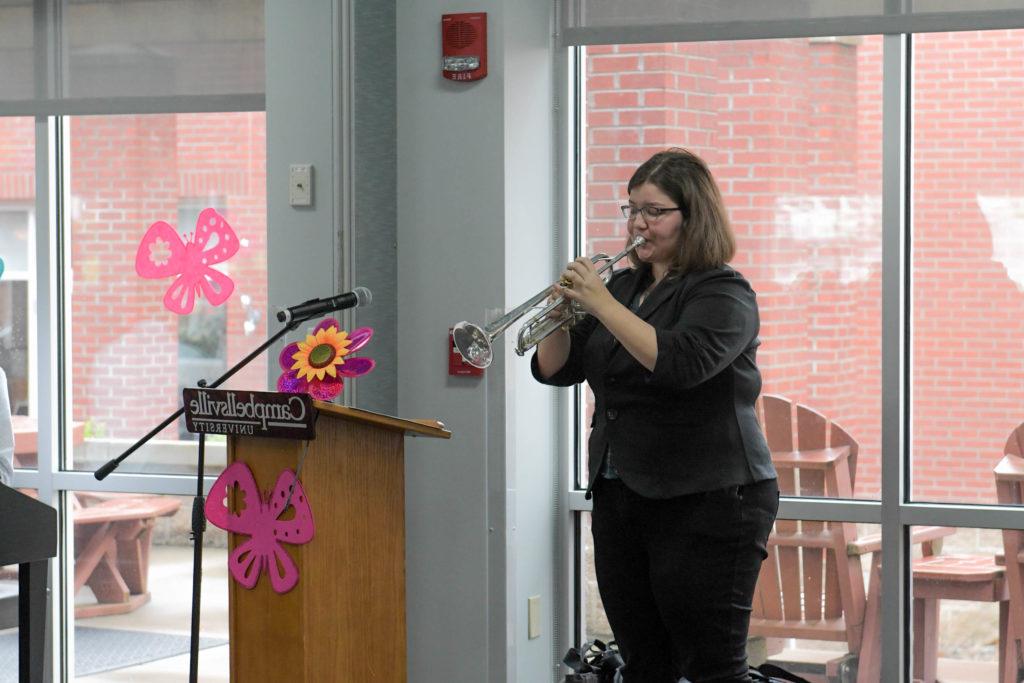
pixel 707 240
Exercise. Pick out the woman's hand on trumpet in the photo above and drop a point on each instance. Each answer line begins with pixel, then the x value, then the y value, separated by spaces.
pixel 558 312
pixel 580 283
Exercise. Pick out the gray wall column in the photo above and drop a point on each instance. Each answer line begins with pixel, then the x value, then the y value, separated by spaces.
pixel 475 172
pixel 301 96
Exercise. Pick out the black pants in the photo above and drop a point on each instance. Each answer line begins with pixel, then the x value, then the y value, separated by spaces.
pixel 677 577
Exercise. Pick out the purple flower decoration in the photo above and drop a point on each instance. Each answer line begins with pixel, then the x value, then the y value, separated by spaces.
pixel 317 365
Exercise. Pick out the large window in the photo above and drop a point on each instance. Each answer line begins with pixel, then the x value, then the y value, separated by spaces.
pixel 968 259
pixel 790 128
pixel 129 358
pixel 130 354
pixel 113 117
pixel 874 186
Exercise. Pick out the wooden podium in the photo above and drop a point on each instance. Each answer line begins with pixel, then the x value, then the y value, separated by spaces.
pixel 345 619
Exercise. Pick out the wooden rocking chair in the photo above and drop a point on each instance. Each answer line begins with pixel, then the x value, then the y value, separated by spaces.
pixel 811 587
pixel 1009 474
pixel 812 583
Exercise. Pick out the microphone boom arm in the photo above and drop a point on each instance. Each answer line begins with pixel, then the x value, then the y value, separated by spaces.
pixel 112 465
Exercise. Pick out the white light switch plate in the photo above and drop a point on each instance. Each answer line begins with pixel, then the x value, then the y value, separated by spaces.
pixel 300 185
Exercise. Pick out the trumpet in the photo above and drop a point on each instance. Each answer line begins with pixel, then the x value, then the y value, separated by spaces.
pixel 474 343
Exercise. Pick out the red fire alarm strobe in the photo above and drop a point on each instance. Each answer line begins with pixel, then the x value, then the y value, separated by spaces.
pixel 464 46
pixel 456 364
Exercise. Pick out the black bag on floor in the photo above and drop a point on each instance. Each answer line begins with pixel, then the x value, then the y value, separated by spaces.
pixel 595 662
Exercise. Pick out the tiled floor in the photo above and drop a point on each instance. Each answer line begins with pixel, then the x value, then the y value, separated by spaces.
pixel 170 609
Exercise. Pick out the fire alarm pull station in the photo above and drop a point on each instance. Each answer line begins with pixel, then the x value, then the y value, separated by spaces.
pixel 457 366
pixel 464 46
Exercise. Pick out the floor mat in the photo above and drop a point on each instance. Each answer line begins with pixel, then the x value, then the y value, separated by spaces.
pixel 106 649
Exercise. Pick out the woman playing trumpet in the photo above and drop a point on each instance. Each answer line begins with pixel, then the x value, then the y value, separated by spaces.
pixel 682 482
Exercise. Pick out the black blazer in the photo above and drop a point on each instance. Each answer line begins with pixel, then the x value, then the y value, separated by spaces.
pixel 689 425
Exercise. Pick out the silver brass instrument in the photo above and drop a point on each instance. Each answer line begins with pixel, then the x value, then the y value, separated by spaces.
pixel 474 342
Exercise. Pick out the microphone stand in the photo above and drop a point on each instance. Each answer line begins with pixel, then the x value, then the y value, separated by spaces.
pixel 199 502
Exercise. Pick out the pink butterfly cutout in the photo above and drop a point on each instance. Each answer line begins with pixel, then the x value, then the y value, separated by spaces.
pixel 162 253
pixel 259 519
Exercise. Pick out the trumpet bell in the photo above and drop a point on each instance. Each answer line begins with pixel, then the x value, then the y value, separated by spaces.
pixel 473 344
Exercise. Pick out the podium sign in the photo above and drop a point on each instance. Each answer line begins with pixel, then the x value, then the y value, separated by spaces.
pixel 250 413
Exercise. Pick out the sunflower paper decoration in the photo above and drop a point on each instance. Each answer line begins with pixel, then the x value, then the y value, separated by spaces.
pixel 317 365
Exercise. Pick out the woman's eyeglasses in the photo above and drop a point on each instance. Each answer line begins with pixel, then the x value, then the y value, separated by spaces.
pixel 651 213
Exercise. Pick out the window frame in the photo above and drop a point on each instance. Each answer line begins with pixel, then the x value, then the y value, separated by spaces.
pixel 54 479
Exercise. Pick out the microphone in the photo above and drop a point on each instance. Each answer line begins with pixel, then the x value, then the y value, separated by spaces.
pixel 360 296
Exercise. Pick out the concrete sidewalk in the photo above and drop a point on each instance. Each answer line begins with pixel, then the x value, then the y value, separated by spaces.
pixel 169 611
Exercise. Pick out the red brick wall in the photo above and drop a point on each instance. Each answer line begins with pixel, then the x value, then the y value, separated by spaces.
pixel 792 131
pixel 124 347
pixel 968 140
pixel 17 159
